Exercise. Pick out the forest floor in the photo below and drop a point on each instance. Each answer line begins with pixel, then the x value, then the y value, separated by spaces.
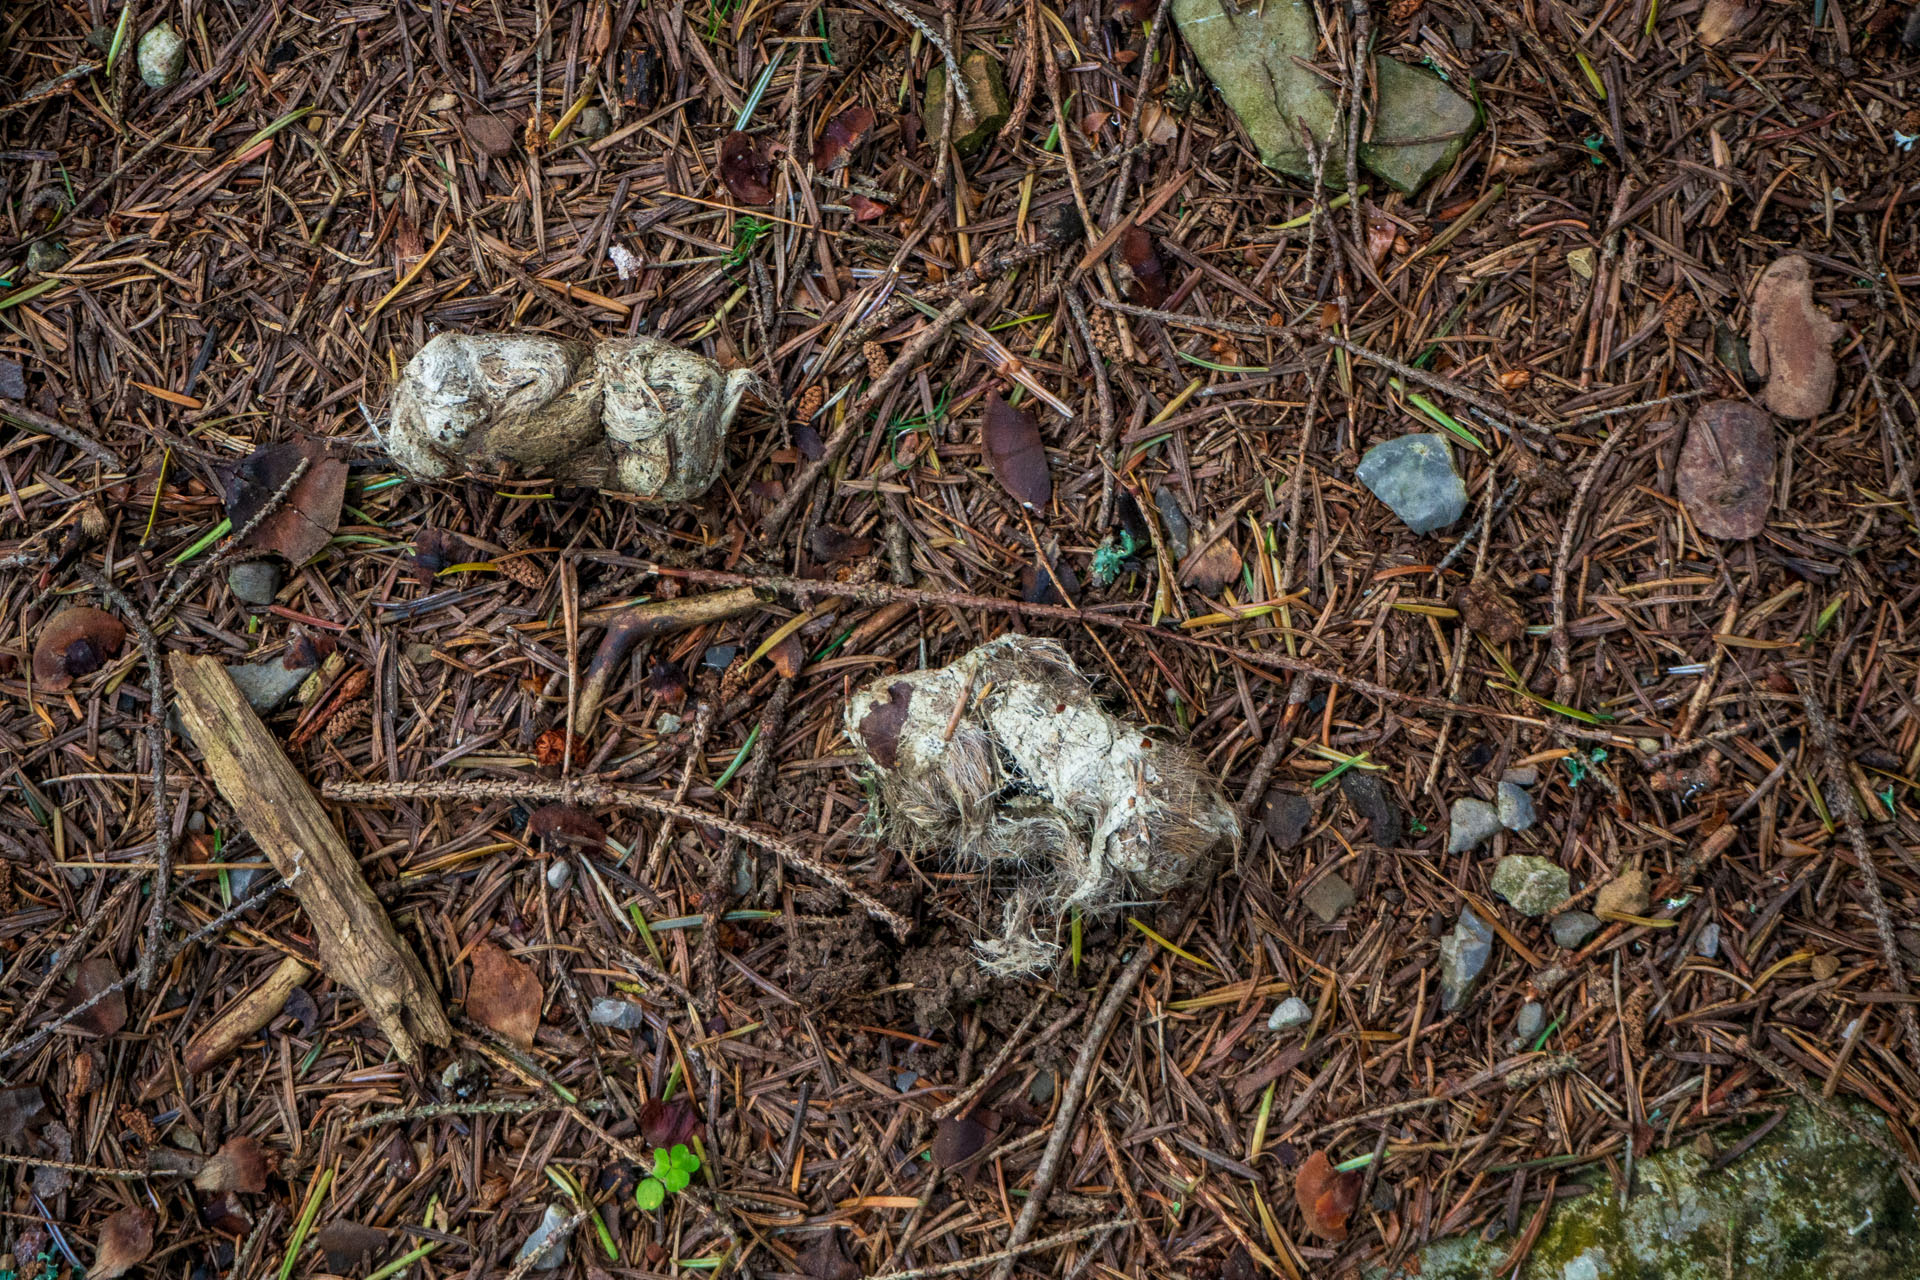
pixel 235 269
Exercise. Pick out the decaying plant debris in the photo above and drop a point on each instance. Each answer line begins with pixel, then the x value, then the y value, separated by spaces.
pixel 1004 758
pixel 634 414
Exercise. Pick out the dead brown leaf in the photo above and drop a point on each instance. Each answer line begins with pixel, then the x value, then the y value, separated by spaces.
pixel 1326 1196
pixel 239 1165
pixel 1010 438
pixel 1488 611
pixel 746 168
pixel 843 133
pixel 503 995
pixel 126 1238
pixel 1726 469
pixel 110 1015
pixel 1791 340
pixel 306 520
pixel 73 643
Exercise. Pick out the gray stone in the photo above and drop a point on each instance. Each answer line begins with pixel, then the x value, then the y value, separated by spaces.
pixel 1571 929
pixel 162 56
pixel 1328 896
pixel 621 1015
pixel 1524 776
pixel 1414 476
pixel 267 685
pixel 1470 824
pixel 256 582
pixel 46 255
pixel 13 380
pixel 1285 815
pixel 1531 1019
pixel 1291 1012
pixel 1531 885
pixel 1514 806
pixel 1464 952
pixel 559 874
pixel 1708 943
pixel 546 1248
pixel 593 123
pixel 1260 58
pixel 1811 1200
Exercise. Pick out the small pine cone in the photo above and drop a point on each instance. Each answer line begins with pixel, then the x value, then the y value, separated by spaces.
pixel 347 719
pixel 1403 10
pixel 877 360
pixel 1909 125
pixel 811 399
pixel 522 570
pixel 1679 313
pixel 1105 339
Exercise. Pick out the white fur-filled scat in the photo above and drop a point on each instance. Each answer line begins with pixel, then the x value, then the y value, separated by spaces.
pixel 1034 778
pixel 633 414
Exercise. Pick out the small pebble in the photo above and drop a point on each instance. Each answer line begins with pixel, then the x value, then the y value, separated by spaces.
pixel 546 1248
pixel 667 722
pixel 1463 954
pixel 161 56
pixel 905 1080
pixel 1626 894
pixel 256 582
pixel 621 1015
pixel 1414 476
pixel 1532 1018
pixel 1285 815
pixel 1328 896
pixel 1532 885
pixel 1373 799
pixel 1824 967
pixel 1708 943
pixel 593 123
pixel 443 101
pixel 559 874
pixel 1515 807
pixel 1525 776
pixel 44 256
pixel 1472 822
pixel 720 656
pixel 267 685
pixel 1291 1012
pixel 197 821
pixel 1571 929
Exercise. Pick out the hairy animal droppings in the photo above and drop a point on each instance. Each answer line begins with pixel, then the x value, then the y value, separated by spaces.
pixel 1006 759
pixel 633 414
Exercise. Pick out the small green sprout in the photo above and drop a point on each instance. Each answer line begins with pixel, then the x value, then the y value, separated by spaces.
pixel 672 1171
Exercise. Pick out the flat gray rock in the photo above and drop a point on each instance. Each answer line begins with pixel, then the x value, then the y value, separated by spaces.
pixel 267 685
pixel 256 582
pixel 1571 929
pixel 1372 798
pixel 1260 57
pixel 1470 824
pixel 1286 816
pixel 1414 476
pixel 1531 885
pixel 1515 807
pixel 1464 952
pixel 1328 896
pixel 1291 1012
pixel 1528 1024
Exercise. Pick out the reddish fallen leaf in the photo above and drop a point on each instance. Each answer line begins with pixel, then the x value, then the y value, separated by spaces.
pixel 1382 231
pixel 550 748
pixel 22 1110
pixel 73 643
pixel 662 1124
pixel 1721 20
pixel 569 824
pixel 789 656
pixel 1726 469
pixel 666 682
pixel 1150 285
pixel 126 1238
pixel 504 995
pixel 829 545
pixel 305 520
pixel 1038 586
pixel 437 549
pixel 226 1214
pixel 865 210
pixel 1010 438
pixel 1157 124
pixel 958 1139
pixel 1326 1196
pixel 489 134
pixel 1791 340
pixel 843 133
pixel 110 1015
pixel 746 168
pixel 1212 567
pixel 239 1165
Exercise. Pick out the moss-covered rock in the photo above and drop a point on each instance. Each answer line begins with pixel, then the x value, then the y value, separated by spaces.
pixel 1810 1201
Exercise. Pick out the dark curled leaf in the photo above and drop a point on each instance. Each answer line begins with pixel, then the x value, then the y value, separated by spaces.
pixel 437 549
pixel 880 727
pixel 958 1139
pixel 828 544
pixel 1037 586
pixel 107 1017
pixel 662 1124
pixel 1150 286
pixel 22 1110
pixel 864 209
pixel 301 1009
pixel 126 1238
pixel 567 824
pixel 746 169
pixel 843 133
pixel 345 1243
pixel 824 1259
pixel 667 683
pixel 1011 440
pixel 1326 1196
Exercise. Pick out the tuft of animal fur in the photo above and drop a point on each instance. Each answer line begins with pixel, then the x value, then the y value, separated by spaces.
pixel 1034 779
